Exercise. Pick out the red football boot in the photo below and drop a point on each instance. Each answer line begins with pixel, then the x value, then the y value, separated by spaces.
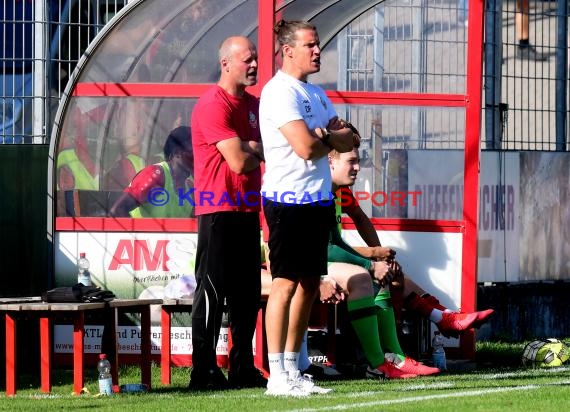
pixel 453 324
pixel 482 317
pixel 388 371
pixel 412 366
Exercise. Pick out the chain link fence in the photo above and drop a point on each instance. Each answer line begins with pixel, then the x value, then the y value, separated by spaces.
pixel 42 43
pixel 526 75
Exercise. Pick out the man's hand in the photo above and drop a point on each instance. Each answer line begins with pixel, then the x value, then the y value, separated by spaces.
pixel 330 291
pixel 336 124
pixel 254 148
pixel 356 138
pixel 382 273
pixel 342 140
pixel 396 268
pixel 397 281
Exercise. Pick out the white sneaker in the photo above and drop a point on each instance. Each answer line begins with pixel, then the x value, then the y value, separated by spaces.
pixel 283 386
pixel 305 382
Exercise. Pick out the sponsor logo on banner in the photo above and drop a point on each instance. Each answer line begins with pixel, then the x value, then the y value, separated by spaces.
pixel 133 265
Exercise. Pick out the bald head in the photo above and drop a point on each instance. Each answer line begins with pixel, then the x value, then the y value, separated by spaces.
pixel 238 64
pixel 229 45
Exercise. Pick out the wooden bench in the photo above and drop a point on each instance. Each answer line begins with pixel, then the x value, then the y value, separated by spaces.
pixel 18 310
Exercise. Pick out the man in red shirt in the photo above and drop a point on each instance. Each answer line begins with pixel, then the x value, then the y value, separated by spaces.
pixel 227 177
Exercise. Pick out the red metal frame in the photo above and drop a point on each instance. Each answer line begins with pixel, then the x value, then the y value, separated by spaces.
pixel 398 99
pixel 175 225
pixel 175 90
pixel 411 225
pixel 125 224
pixel 471 165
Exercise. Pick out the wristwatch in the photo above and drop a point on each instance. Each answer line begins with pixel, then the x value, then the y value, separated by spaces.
pixel 326 135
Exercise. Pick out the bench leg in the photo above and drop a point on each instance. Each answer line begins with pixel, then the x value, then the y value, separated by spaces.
pixel 78 349
pixel 165 345
pixel 145 346
pixel 10 355
pixel 45 353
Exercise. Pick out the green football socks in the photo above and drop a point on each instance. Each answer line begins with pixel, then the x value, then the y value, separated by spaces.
pixel 387 324
pixel 362 314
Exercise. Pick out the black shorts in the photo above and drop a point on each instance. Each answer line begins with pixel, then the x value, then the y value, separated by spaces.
pixel 228 257
pixel 298 238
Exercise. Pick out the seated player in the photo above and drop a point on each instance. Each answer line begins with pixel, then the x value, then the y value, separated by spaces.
pixel 344 170
pixel 172 176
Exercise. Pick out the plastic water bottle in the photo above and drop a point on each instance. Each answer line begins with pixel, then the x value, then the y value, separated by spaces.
pixel 438 354
pixel 105 380
pixel 83 274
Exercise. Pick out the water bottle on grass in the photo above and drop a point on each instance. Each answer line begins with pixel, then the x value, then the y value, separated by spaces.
pixel 438 354
pixel 105 380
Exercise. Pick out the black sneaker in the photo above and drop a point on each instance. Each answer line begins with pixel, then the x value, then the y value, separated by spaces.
pixel 250 378
pixel 321 372
pixel 210 380
pixel 530 53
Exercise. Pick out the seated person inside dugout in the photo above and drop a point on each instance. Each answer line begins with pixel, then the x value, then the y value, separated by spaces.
pixel 75 167
pixel 365 277
pixel 128 115
pixel 160 190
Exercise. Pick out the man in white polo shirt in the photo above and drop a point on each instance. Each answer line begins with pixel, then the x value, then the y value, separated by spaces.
pixel 299 127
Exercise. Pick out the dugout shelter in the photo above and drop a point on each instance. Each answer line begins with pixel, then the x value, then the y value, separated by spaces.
pixel 408 74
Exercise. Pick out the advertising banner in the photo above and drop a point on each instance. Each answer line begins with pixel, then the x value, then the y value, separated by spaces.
pixel 133 265
pixel 438 175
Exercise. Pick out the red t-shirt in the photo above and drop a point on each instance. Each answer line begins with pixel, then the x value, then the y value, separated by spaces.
pixel 218 116
pixel 148 178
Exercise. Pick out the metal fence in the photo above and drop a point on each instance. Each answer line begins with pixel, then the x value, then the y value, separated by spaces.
pixel 42 42
pixel 526 69
pixel 525 93
pixel 414 46
pixel 526 83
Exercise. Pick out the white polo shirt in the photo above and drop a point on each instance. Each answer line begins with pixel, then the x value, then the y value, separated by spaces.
pixel 288 178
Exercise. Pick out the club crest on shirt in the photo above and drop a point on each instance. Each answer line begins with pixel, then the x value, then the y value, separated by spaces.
pixel 252 120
